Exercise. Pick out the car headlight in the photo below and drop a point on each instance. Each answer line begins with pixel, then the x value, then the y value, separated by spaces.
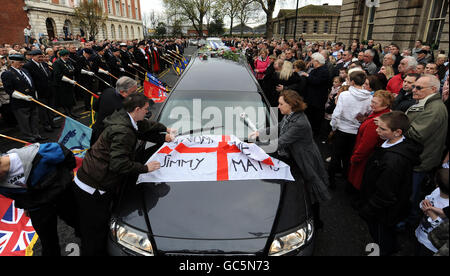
pixel 286 243
pixel 132 239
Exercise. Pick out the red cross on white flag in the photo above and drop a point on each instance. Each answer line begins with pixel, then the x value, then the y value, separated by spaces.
pixel 214 158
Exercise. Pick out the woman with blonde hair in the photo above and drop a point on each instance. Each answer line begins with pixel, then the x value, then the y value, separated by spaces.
pixel 262 62
pixel 367 138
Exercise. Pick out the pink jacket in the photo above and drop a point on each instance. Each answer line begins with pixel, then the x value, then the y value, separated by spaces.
pixel 261 65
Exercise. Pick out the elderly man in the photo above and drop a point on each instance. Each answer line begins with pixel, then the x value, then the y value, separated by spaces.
pixel 316 92
pixel 429 123
pixel 19 85
pixel 407 65
pixel 110 101
pixel 389 60
pixel 368 64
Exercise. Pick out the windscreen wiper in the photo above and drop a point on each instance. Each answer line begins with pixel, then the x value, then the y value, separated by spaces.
pixel 192 131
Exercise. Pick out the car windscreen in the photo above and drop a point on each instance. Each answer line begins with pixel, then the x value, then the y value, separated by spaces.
pixel 215 113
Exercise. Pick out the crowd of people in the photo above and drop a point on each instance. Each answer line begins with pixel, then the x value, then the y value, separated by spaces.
pixel 40 177
pixel 37 71
pixel 382 111
pixel 384 114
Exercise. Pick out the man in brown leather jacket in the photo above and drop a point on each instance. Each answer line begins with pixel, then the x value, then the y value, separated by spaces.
pixel 106 166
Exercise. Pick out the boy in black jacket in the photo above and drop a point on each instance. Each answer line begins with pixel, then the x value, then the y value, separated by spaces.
pixel 386 186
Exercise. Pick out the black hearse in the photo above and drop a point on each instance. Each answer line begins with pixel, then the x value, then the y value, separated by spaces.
pixel 227 218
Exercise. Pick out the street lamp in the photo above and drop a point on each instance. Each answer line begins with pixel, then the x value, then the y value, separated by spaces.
pixel 296 17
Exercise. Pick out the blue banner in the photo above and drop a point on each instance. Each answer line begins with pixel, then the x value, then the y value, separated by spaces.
pixel 76 137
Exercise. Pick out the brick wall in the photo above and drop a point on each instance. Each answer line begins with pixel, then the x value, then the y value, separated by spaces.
pixel 13 19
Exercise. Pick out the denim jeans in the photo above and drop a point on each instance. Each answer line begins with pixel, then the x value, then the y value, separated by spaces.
pixel 416 196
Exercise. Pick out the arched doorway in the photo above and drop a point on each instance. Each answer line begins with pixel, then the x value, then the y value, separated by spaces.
pixel 132 33
pixel 120 32
pixel 126 33
pixel 51 28
pixel 104 31
pixel 113 32
pixel 67 29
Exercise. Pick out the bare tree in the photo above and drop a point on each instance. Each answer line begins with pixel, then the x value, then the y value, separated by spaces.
pixel 230 8
pixel 91 16
pixel 269 7
pixel 194 10
pixel 248 9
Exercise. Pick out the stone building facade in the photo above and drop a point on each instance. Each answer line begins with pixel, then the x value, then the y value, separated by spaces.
pixel 314 23
pixel 399 22
pixel 55 18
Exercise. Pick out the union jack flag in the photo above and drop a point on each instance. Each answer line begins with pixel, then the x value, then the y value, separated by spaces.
pixel 16 232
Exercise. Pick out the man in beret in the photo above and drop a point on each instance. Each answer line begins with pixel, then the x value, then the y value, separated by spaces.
pixel 19 84
pixel 84 76
pixel 115 65
pixel 99 62
pixel 64 92
pixel 41 74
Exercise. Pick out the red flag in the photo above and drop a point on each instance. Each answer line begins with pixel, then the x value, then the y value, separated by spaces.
pixel 154 92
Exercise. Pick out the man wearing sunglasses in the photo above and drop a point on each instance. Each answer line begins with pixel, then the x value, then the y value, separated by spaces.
pixel 429 120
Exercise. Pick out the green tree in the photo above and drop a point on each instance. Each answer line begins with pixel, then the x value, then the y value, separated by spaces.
pixel 91 16
pixel 177 28
pixel 215 27
pixel 161 29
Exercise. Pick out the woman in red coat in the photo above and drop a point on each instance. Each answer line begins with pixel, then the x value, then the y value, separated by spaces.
pixel 367 138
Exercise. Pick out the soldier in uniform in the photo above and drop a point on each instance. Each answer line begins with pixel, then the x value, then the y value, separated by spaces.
pixel 115 65
pixel 141 58
pixel 99 61
pixel 41 75
pixel 126 60
pixel 24 109
pixel 84 79
pixel 64 92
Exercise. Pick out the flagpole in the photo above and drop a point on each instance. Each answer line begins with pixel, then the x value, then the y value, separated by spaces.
pixel 175 53
pixel 14 139
pixel 39 103
pixel 66 79
pixel 110 74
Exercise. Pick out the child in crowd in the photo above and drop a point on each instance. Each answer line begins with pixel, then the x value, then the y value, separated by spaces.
pixel 331 103
pixel 386 185
pixel 438 199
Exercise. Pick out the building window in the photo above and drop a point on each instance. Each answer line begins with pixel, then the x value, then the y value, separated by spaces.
pixel 117 8
pixel 435 24
pixel 136 8
pixel 305 27
pixel 110 11
pixel 316 26
pixel 123 11
pixel 370 22
pixel 326 27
